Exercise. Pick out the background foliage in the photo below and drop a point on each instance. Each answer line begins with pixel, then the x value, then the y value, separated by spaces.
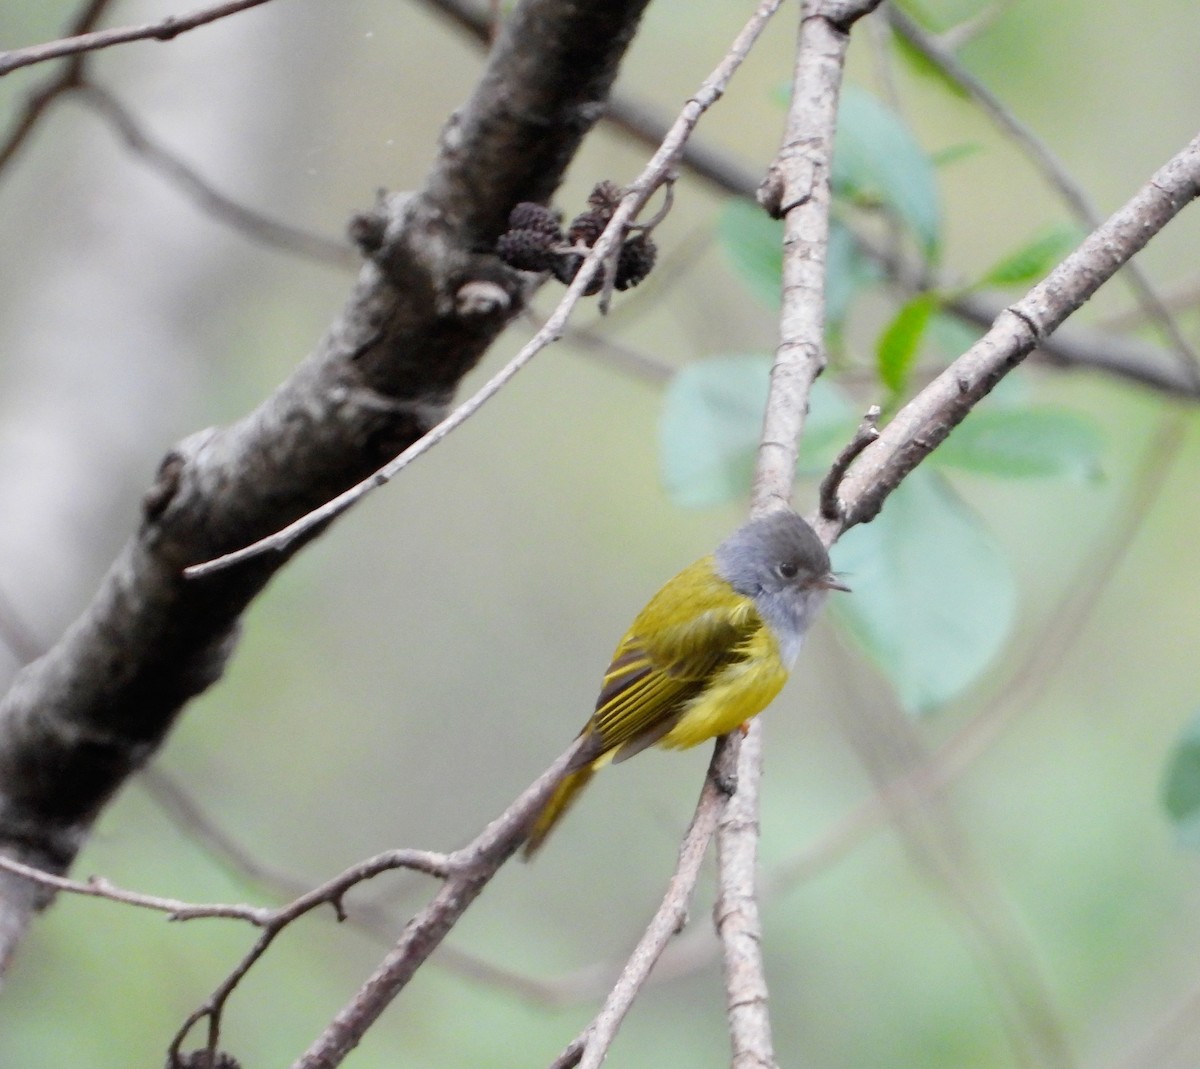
pixel 421 663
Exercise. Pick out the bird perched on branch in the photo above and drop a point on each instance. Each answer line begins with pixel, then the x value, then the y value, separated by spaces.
pixel 708 652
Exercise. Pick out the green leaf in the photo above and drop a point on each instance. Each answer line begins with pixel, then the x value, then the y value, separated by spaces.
pixel 954 336
pixel 848 272
pixel 898 345
pixel 951 154
pixel 876 159
pixel 933 600
pixel 1033 260
pixel 921 64
pixel 712 420
pixel 1023 443
pixel 1181 786
pixel 753 242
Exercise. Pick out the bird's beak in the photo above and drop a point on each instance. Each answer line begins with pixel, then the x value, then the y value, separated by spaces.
pixel 832 582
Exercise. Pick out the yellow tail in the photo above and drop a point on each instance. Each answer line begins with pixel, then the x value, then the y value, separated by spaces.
pixel 560 801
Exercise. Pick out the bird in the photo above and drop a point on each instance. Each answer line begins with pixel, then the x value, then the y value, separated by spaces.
pixel 708 652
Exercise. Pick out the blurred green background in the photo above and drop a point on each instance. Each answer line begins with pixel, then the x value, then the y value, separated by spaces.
pixel 406 676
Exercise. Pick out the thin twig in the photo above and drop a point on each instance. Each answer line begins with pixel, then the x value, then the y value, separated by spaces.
pixel 163 30
pixel 591 1047
pixel 922 424
pixel 867 432
pixel 471 869
pixel 549 333
pixel 656 173
pixel 375 918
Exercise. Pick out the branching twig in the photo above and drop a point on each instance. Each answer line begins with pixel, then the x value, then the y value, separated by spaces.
pixel 38 102
pixel 926 420
pixel 868 431
pixel 471 869
pixel 331 892
pixel 163 30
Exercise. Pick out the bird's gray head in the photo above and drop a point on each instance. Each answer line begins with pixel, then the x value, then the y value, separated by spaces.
pixel 779 561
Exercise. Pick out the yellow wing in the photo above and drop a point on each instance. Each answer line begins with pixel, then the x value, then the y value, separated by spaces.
pixel 692 628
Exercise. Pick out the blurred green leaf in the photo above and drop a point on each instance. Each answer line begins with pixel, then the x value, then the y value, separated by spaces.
pixel 1033 260
pixel 712 420
pixel 876 159
pixel 933 599
pixel 897 348
pixel 1024 443
pixel 753 241
pixel 848 272
pixel 954 336
pixel 1181 787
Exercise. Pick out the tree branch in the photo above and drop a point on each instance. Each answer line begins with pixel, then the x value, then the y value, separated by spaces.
pixel 797 188
pixel 163 30
pixel 591 1047
pixel 77 721
pixel 926 420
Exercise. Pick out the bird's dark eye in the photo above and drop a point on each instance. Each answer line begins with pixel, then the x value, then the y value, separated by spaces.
pixel 788 569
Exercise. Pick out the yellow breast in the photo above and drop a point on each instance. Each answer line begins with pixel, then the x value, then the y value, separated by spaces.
pixel 739 691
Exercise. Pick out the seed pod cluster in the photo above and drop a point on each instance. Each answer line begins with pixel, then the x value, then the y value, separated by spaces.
pixel 534 241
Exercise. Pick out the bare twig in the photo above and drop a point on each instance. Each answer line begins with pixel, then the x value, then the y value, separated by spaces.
pixel 736 915
pixel 38 102
pixel 926 420
pixel 591 1047
pixel 549 333
pixel 471 869
pixel 867 432
pixel 657 172
pixel 163 30
pixel 798 189
pixel 330 892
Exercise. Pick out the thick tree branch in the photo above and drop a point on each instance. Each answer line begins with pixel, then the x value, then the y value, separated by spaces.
pixel 77 721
